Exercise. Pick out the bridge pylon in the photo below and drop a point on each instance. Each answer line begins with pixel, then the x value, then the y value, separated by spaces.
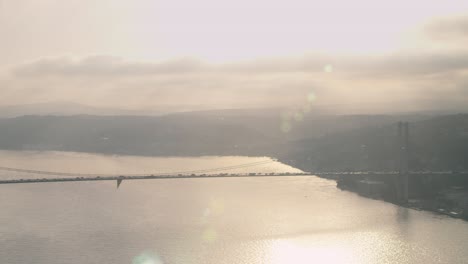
pixel 402 179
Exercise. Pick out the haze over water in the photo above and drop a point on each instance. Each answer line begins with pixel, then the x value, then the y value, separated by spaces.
pixel 245 220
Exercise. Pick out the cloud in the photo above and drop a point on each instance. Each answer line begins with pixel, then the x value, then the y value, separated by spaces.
pixel 103 66
pixel 448 28
pixel 402 65
pixel 116 66
pixel 108 66
pixel 112 81
pixel 416 79
pixel 411 65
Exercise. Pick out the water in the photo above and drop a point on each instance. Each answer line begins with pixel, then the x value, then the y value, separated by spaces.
pixel 243 220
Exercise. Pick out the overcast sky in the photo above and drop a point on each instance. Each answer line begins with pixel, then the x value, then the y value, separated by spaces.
pixel 142 54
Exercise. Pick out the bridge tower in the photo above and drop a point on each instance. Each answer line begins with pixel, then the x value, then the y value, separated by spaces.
pixel 402 179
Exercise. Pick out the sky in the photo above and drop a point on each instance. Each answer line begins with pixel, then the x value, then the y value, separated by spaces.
pixel 143 54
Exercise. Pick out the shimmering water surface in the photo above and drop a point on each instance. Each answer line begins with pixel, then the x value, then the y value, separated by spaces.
pixel 244 220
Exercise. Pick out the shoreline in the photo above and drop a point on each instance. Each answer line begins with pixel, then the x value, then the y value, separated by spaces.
pixel 436 204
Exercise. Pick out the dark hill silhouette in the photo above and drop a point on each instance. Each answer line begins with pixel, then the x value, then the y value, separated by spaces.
pixel 439 143
pixel 318 142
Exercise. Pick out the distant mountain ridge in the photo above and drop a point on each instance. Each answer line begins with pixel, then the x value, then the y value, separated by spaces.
pixel 61 108
pixel 316 142
pixel 66 109
pixel 220 132
pixel 438 143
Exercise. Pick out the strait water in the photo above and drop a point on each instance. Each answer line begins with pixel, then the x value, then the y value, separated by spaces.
pixel 245 220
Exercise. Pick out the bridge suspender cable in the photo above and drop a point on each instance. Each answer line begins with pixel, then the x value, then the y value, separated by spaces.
pixel 75 174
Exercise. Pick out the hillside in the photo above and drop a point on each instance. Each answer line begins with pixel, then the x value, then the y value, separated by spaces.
pixel 127 135
pixel 318 142
pixel 439 143
pixel 223 132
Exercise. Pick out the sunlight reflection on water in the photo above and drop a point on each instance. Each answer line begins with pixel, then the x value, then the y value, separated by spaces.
pixel 286 251
pixel 213 221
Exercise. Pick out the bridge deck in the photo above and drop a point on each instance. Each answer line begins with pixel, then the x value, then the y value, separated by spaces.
pixel 221 175
pixel 148 177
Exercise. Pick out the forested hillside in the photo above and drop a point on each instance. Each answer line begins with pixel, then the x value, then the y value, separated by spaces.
pixel 316 142
pixel 439 143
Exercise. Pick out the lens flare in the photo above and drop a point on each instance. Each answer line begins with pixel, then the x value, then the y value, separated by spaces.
pixel 285 127
pixel 147 258
pixel 311 97
pixel 210 235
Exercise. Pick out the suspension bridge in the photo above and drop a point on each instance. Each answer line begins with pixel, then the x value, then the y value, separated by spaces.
pixel 398 179
pixel 217 172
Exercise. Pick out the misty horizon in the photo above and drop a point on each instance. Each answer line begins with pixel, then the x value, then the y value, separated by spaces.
pixel 373 58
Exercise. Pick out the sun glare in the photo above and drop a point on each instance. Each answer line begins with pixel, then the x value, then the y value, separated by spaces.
pixel 286 251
